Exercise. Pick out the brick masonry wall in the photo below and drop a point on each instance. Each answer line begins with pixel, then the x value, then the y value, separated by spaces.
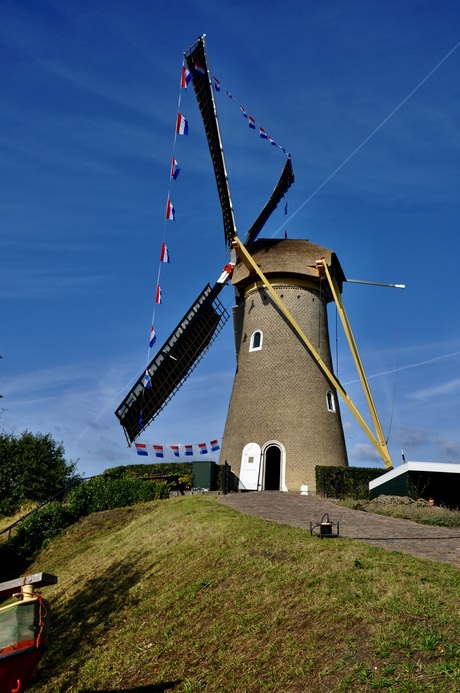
pixel 279 392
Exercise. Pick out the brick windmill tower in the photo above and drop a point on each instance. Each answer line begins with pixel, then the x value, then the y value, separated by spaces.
pixel 284 417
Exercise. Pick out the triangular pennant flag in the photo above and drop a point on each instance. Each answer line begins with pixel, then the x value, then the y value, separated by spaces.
pixel 164 255
pixel 170 211
pixel 181 125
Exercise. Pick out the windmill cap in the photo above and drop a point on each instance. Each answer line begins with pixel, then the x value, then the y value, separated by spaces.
pixel 291 257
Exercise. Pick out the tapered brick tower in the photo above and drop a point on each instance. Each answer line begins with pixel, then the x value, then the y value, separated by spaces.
pixel 284 416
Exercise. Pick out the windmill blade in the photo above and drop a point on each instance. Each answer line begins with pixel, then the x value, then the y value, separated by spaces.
pixel 283 185
pixel 174 362
pixel 197 63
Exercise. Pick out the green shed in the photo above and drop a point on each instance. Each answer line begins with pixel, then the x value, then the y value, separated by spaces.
pixel 437 480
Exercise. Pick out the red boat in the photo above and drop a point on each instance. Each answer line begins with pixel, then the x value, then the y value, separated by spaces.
pixel 23 630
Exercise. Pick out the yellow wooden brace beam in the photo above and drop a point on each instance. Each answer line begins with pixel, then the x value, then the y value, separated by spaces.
pixel 380 443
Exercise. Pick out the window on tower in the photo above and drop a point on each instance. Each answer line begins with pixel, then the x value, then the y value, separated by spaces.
pixel 330 401
pixel 256 341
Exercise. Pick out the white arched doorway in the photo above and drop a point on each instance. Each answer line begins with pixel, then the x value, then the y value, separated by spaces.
pixel 273 472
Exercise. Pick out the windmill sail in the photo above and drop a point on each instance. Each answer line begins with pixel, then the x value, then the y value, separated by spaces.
pixel 195 58
pixel 177 358
pixel 283 185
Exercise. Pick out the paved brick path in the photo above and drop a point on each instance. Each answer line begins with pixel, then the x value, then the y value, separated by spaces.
pixel 436 543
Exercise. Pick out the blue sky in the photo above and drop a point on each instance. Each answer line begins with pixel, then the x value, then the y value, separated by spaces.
pixel 366 98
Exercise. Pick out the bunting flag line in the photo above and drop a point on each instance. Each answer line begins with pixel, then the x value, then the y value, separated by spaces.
pixel 199 70
pixel 158 294
pixel 251 121
pixel 170 211
pixel 147 381
pixel 164 255
pixel 186 76
pixel 175 170
pixel 181 125
pixel 153 337
pixel 162 451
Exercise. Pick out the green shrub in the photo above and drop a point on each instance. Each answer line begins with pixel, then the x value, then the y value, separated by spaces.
pixel 160 469
pixel 343 482
pixel 41 525
pixel 86 498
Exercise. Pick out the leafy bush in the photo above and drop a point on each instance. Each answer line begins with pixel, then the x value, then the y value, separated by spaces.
pixel 342 482
pixel 86 498
pixel 159 469
pixel 32 532
pixel 32 468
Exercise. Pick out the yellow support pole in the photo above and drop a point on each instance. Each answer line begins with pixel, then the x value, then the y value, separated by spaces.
pixel 358 363
pixel 246 258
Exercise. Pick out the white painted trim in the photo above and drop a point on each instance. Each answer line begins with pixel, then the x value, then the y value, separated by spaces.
pixel 283 486
pixel 434 467
pixel 251 342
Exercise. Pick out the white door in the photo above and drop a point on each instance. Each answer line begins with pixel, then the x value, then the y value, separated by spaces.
pixel 250 468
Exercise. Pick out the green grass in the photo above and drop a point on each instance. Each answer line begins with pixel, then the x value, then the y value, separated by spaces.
pixel 188 595
pixel 407 509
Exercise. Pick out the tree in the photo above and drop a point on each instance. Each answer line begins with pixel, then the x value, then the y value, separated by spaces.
pixel 32 468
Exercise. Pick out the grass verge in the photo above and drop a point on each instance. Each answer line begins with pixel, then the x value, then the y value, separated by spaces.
pixel 188 595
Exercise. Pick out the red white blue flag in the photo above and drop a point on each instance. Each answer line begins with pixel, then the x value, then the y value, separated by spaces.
pixel 263 134
pixel 243 111
pixel 216 84
pixel 153 337
pixel 199 70
pixel 141 449
pixel 164 255
pixel 252 123
pixel 202 448
pixel 181 125
pixel 158 294
pixel 186 76
pixel 272 141
pixel 158 450
pixel 147 381
pixel 188 450
pixel 215 445
pixel 175 170
pixel 170 211
pixel 175 449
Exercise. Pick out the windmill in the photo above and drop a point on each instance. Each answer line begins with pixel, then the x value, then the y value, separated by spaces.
pixel 284 415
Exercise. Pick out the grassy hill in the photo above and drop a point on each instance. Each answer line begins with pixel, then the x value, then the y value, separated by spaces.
pixel 188 595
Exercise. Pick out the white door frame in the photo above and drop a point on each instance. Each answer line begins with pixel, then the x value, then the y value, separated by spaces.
pixel 282 449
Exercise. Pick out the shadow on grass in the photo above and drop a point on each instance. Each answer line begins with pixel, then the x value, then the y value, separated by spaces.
pixel 157 688
pixel 84 623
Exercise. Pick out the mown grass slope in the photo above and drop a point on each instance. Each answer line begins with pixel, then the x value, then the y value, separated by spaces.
pixel 188 595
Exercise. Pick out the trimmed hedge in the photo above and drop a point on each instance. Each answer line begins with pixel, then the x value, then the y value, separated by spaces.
pixel 160 469
pixel 345 482
pixel 100 493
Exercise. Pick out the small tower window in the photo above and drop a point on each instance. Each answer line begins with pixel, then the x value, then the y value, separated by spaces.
pixel 330 401
pixel 256 341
